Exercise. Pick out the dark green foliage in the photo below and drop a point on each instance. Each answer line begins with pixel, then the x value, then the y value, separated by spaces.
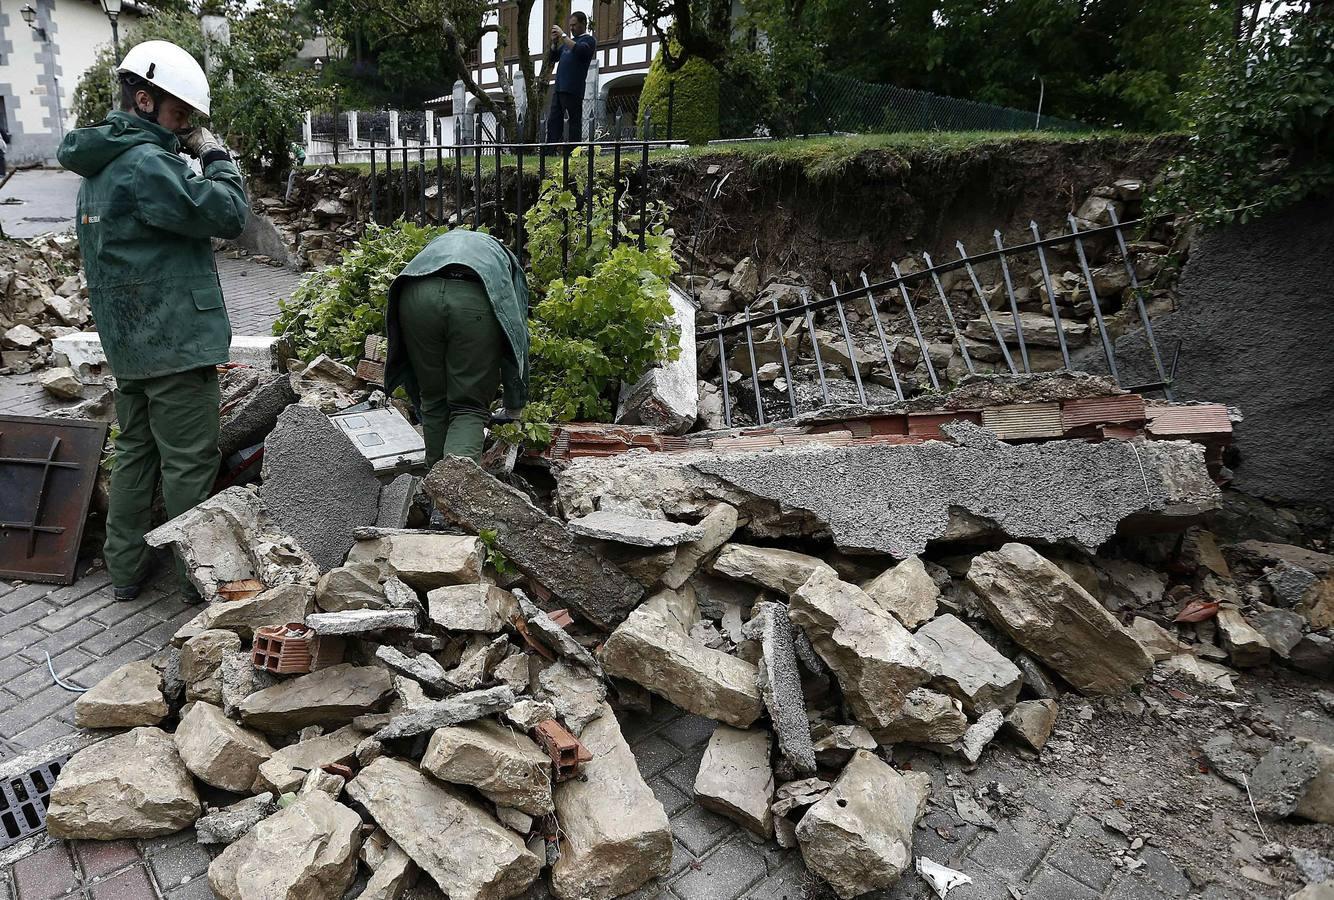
pixel 693 100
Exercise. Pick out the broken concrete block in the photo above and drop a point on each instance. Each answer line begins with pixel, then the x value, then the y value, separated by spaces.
pixel 240 679
pixel 219 752
pixel 1051 616
pixel 859 836
pixel 1201 671
pixel 653 648
pixel 608 525
pixel 303 456
pixel 507 767
pixel 420 667
pixel 1031 722
pixel 543 629
pixel 424 560
pixel 307 850
pixel 201 658
pixel 1156 640
pixel 478 664
pixel 778 570
pixel 276 606
pixel 128 697
pixel 717 527
pixel 644 564
pixel 329 697
pixel 927 717
pixel 1281 781
pixel 577 695
pixel 396 501
pixel 895 499
pixel 876 660
pixel 349 587
pixel 450 711
pixel 132 785
pixel 735 780
pixel 979 734
pixel 1245 645
pixel 907 591
pixel 616 834
pixel 362 621
pixel 285 769
pixel 666 397
pixel 483 608
pixel 479 859
pixel 780 685
pixel 836 748
pixel 1281 628
pixel 229 824
pixel 525 714
pixel 250 420
pixel 970 668
pixel 61 383
pixel 538 545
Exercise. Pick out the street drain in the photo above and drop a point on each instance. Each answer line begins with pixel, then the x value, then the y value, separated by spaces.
pixel 23 801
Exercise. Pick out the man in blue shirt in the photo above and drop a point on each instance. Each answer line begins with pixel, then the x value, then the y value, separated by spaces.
pixel 572 52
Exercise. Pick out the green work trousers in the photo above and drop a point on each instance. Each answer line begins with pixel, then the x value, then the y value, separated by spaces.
pixel 168 429
pixel 454 344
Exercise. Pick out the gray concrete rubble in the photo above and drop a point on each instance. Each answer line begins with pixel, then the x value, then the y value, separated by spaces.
pixel 896 499
pixel 666 396
pixel 229 824
pixel 717 527
pixel 254 414
pixel 396 501
pixel 768 567
pixel 304 456
pixel 734 778
pixel 609 525
pixel 420 667
pixel 362 621
pixel 780 685
pixel 349 587
pixel 834 749
pixel 201 661
pixel 483 608
pixel 546 632
pixel 424 560
pixel 283 771
pixel 329 697
pixel 927 717
pixel 1031 722
pixel 577 695
pixel 533 541
pixel 276 606
pixel 451 711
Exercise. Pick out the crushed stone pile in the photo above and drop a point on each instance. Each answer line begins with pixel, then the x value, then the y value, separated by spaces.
pixel 43 296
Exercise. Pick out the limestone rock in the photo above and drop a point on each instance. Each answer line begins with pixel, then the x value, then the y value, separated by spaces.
pixel 1281 628
pixel 1201 671
pixel 128 697
pixel 542 628
pixel 329 697
pixel 836 748
pixel 1052 617
pixel 450 711
pixel 219 752
pixel 132 785
pixel 795 795
pixel 1031 722
pixel 1156 640
pixel 228 825
pixel 276 606
pixel 609 525
pixel 471 607
pixel 616 834
pixel 717 528
pixel 927 717
pixel 424 560
pixel 876 660
pixel 284 770
pixel 363 621
pixel 307 851
pixel 907 591
pixel 735 780
pixel 971 669
pixel 467 853
pixel 979 734
pixel 1245 645
pixel 61 383
pixel 201 658
pixel 507 767
pixel 421 667
pixel 577 696
pixel 393 871
pixel 859 836
pixel 525 714
pixel 652 647
pixel 779 570
pixel 349 587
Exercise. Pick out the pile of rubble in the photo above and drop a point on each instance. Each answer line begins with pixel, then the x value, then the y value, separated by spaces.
pixel 442 704
pixel 322 216
pixel 43 296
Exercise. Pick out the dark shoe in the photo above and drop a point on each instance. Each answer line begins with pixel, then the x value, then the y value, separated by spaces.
pixel 127 593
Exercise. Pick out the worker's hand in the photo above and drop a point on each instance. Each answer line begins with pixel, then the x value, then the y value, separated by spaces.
pixel 199 141
pixel 556 33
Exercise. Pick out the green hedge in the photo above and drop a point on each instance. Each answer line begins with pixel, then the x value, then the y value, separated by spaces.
pixel 694 101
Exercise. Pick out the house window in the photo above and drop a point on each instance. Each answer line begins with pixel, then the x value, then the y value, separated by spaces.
pixel 509 23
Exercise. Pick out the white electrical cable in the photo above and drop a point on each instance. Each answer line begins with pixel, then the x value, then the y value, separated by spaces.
pixel 56 678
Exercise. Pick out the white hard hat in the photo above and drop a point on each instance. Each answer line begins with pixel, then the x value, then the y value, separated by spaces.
pixel 167 66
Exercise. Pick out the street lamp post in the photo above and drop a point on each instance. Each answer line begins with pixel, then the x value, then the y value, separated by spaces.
pixel 30 16
pixel 112 9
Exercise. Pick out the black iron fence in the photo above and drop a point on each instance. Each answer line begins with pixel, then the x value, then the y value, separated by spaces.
pixel 885 295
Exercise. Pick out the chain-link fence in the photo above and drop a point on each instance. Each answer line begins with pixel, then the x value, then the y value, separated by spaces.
pixel 837 103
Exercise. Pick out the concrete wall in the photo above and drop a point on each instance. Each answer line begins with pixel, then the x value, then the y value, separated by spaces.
pixel 1256 322
pixel 37 78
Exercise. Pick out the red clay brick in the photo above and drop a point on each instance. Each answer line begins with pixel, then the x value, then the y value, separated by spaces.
pixel 104 857
pixel 132 884
pixel 45 874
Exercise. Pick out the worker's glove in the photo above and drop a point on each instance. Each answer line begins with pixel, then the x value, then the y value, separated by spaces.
pixel 200 142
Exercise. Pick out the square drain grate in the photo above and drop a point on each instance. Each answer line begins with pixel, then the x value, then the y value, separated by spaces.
pixel 23 801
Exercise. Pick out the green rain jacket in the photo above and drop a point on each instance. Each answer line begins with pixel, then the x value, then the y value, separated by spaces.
pixel 145 221
pixel 507 288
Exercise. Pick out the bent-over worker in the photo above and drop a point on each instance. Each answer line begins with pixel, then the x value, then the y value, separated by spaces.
pixel 457 322
pixel 145 224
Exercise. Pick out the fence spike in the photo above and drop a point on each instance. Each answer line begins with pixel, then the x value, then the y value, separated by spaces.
pixel 1107 350
pixel 916 327
pixel 847 340
pixel 1051 294
pixel 949 313
pixel 1014 304
pixel 1139 302
pixel 880 332
pixel 986 307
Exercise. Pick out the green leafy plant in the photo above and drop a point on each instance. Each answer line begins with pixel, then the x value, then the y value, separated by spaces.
pixel 1262 136
pixel 494 558
pixel 532 430
pixel 692 93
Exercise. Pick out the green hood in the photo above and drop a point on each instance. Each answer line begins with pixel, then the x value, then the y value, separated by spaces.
pixel 87 151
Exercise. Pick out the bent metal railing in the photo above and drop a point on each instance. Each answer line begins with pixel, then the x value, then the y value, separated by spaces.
pixel 869 292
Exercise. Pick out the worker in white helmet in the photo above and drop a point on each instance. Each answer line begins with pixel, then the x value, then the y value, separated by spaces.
pixel 145 222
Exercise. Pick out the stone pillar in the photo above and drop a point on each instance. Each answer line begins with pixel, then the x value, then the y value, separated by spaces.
pixel 353 131
pixel 393 128
pixel 590 110
pixel 307 131
pixel 428 133
pixel 520 101
pixel 460 112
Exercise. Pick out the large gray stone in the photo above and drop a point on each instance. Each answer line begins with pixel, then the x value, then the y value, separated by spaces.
pixel 303 457
pixel 616 836
pixel 229 824
pixel 284 770
pixel 201 658
pixel 128 697
pixel 927 717
pixel 653 648
pixel 734 778
pixel 450 711
pixel 608 525
pixel 578 695
pixel 505 766
pixel 665 397
pixel 970 668
pixel 471 607
pixel 717 527
pixel 1052 617
pixel 219 752
pixel 307 851
pixel 276 606
pixel 876 660
pixel 251 419
pixel 362 621
pixel 859 836
pixel 1031 722
pixel 329 697
pixel 535 543
pixel 421 667
pixel 349 587
pixel 424 560
pixel 1245 645
pixel 132 785
pixel 770 567
pixel 895 499
pixel 907 591
pixel 468 854
pixel 780 685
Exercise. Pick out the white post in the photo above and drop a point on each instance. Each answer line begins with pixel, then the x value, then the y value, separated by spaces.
pixel 460 110
pixel 307 131
pixel 590 109
pixel 353 128
pixel 429 131
pixel 393 128
pixel 520 100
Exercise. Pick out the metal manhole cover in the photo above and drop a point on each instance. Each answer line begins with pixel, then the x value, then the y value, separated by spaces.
pixel 24 799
